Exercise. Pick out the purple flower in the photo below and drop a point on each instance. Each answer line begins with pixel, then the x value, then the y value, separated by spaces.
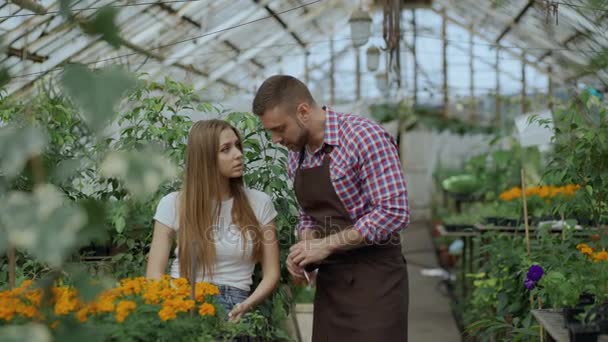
pixel 530 284
pixel 535 272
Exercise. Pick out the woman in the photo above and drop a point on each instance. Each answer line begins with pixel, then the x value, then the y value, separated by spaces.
pixel 222 227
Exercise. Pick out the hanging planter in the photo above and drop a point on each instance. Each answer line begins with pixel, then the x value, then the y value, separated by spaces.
pixel 373 58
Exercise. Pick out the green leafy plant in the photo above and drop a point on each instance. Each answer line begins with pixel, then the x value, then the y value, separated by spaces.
pixel 580 156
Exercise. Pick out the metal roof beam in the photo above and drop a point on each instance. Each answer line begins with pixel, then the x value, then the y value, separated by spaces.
pixel 198 25
pixel 515 21
pixel 575 36
pixel 531 63
pixel 283 24
pixel 247 55
pixel 23 54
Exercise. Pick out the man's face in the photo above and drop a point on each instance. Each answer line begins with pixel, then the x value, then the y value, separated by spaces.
pixel 288 129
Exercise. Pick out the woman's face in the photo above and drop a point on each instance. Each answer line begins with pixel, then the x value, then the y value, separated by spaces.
pixel 230 157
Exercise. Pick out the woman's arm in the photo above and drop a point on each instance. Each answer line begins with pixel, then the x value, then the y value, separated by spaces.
pixel 270 272
pixel 162 241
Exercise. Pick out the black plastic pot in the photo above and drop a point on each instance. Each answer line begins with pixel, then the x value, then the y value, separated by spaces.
pixel 491 220
pixel 570 315
pixel 502 221
pixel 583 333
pixel 458 227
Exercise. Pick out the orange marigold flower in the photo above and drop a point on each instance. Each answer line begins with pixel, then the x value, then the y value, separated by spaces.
pixel 600 256
pixel 587 251
pixel 34 297
pixel 167 313
pixel 580 246
pixel 206 309
pixel 205 289
pixel 123 309
pixel 81 314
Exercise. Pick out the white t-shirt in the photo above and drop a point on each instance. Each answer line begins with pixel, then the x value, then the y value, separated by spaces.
pixel 232 267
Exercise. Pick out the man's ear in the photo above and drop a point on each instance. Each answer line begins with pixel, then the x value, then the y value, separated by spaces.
pixel 303 112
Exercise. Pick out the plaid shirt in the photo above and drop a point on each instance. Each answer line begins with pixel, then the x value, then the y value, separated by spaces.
pixel 366 173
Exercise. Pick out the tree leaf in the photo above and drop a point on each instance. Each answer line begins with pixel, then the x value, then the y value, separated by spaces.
pixel 42 223
pixel 34 332
pixel 17 146
pixel 96 92
pixel 120 224
pixel 5 77
pixel 141 172
pixel 104 24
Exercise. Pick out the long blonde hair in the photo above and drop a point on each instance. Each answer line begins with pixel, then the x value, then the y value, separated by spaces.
pixel 199 202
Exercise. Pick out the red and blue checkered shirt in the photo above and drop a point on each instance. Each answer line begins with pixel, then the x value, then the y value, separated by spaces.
pixel 366 173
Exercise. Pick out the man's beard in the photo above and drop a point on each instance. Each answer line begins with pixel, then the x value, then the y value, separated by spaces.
pixel 302 139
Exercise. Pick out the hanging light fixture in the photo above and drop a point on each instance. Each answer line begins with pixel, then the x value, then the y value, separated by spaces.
pixel 373 58
pixel 360 27
pixel 382 82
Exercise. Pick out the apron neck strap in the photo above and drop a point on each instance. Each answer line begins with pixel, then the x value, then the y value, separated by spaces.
pixel 326 149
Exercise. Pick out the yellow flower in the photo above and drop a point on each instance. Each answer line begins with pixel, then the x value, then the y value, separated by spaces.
pixel 131 286
pixel 206 309
pixel 167 313
pixel 587 251
pixel 582 246
pixel 65 301
pixel 123 309
pixel 8 304
pixel 510 194
pixel 81 314
pixel 600 256
pixel 205 289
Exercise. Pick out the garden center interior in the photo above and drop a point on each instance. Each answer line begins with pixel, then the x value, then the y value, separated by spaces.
pixel 497 109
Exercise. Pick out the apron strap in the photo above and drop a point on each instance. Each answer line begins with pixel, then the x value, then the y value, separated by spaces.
pixel 326 149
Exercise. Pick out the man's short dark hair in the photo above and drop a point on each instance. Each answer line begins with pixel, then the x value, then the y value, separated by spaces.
pixel 280 90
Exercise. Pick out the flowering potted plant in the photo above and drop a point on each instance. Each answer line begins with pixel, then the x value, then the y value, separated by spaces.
pixel 136 309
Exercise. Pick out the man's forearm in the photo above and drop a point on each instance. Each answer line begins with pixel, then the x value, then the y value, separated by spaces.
pixel 309 234
pixel 344 240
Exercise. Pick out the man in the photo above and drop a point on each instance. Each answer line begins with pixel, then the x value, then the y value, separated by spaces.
pixel 353 202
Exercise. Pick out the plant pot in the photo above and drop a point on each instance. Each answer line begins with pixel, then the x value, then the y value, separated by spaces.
pixel 502 221
pixel 570 315
pixel 583 333
pixel 457 227
pixel 94 250
pixel 603 325
pixel 511 222
pixel 585 299
pixel 491 220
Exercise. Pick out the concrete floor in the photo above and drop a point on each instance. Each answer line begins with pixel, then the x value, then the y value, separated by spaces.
pixel 430 317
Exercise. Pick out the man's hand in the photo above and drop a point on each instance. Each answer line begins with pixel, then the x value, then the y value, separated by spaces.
pixel 296 271
pixel 308 252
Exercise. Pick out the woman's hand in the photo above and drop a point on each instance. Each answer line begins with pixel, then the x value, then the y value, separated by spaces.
pixel 237 312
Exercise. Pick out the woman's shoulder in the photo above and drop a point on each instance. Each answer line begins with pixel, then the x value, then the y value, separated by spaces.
pixel 169 198
pixel 257 196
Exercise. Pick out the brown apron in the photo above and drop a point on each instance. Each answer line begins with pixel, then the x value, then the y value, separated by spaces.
pixel 361 294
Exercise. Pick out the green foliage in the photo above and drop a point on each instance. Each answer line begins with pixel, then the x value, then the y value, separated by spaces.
pixel 17 146
pixel 580 156
pixel 433 118
pixel 499 305
pixel 500 168
pixel 463 184
pixel 105 88
pixel 104 24
pixel 115 182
